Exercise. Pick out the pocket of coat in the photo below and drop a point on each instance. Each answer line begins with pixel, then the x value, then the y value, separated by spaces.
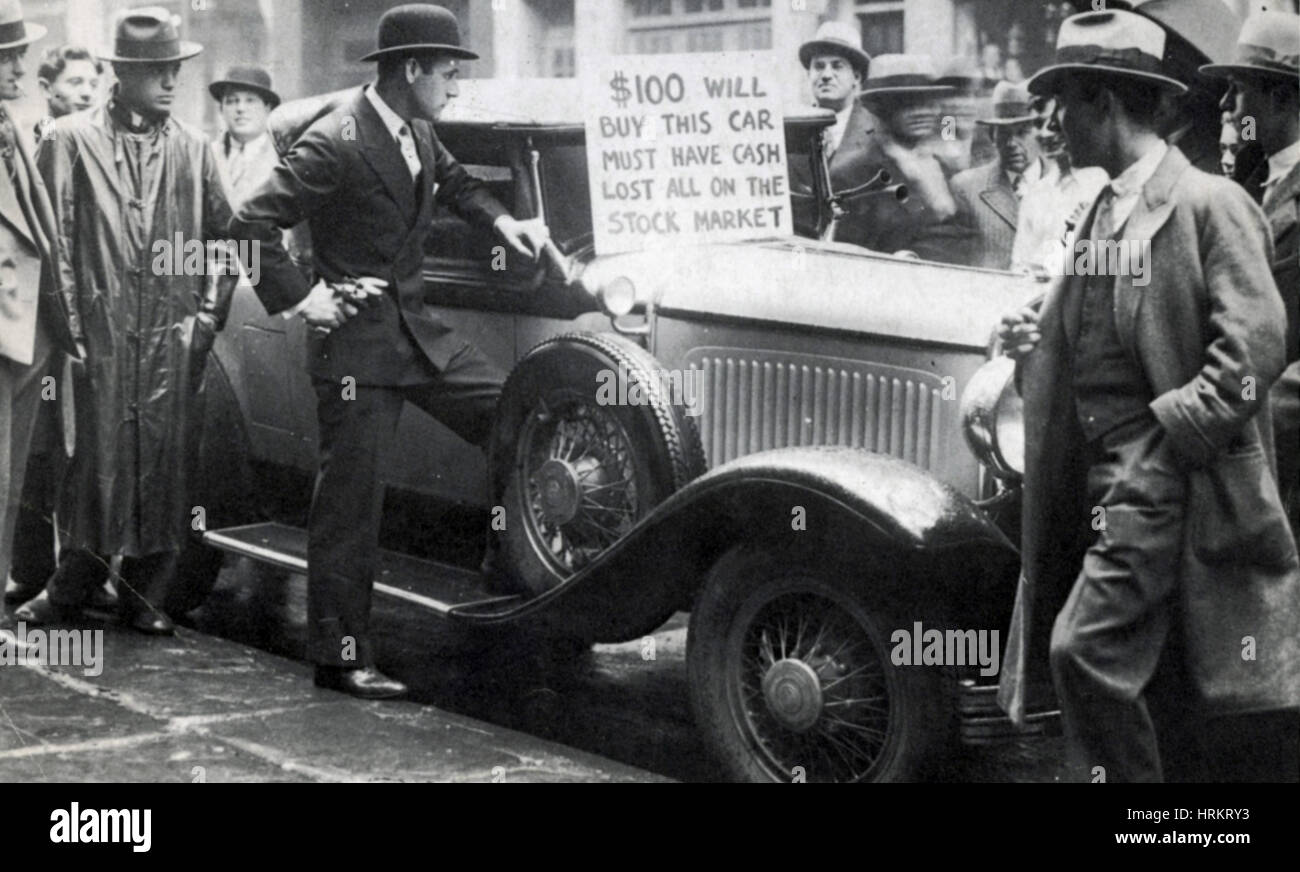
pixel 1239 516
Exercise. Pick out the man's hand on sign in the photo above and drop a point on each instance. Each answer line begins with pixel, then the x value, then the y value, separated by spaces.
pixel 526 237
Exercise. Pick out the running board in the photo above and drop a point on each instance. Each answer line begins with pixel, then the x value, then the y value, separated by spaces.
pixel 439 587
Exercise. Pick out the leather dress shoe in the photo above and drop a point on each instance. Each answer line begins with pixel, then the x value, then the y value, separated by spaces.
pixel 42 610
pixel 363 683
pixel 17 593
pixel 152 623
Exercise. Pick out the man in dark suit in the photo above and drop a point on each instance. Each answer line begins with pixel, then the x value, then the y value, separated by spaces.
pixel 988 197
pixel 35 331
pixel 1153 531
pixel 836 67
pixel 365 177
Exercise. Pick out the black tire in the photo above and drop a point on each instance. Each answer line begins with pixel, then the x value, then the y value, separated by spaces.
pixel 767 712
pixel 219 481
pixel 575 474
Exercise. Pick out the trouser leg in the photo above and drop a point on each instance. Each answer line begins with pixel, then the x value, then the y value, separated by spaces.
pixel 464 398
pixel 343 528
pixel 1109 636
pixel 33 550
pixel 20 397
pixel 145 582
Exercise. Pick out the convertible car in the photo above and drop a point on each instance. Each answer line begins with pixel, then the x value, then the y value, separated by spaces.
pixel 807 445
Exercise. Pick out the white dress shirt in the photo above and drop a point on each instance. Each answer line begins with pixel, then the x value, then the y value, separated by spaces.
pixel 1124 190
pixel 399 129
pixel 1049 203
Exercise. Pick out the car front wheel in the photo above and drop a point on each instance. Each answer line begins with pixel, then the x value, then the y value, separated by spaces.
pixel 791 679
pixel 587 443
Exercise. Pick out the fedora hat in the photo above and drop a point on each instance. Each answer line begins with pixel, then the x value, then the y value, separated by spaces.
pixel 1115 42
pixel 1011 105
pixel 253 79
pixel 964 73
pixel 902 74
pixel 836 38
pixel 150 35
pixel 419 27
pixel 1269 45
pixel 13 30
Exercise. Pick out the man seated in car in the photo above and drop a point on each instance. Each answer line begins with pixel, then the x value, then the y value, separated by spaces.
pixel 903 93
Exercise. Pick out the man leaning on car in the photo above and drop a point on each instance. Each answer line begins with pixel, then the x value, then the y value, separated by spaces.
pixel 364 178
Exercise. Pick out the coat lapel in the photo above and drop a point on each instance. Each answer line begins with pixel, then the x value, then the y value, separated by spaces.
pixel 1152 211
pixel 384 156
pixel 1281 206
pixel 11 210
pixel 999 197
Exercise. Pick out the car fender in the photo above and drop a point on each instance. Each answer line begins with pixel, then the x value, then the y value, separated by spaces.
pixel 844 506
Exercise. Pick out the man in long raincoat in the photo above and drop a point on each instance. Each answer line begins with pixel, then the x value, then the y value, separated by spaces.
pixel 137 196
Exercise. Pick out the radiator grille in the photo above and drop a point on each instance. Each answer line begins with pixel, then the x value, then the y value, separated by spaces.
pixel 755 402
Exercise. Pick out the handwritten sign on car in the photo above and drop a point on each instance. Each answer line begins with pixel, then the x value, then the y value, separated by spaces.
pixel 685 149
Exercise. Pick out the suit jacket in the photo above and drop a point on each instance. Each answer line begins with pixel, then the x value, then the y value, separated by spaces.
pixel 987 207
pixel 28 239
pixel 1284 398
pixel 346 178
pixel 1207 332
pixel 850 164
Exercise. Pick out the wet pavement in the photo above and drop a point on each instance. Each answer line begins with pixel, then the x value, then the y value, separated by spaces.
pixel 200 708
pixel 230 698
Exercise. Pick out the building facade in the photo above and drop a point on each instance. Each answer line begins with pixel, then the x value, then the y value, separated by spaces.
pixel 312 46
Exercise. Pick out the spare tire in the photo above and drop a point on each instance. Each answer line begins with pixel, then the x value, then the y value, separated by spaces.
pixel 587 441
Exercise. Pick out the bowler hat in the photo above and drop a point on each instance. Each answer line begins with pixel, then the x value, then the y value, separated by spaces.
pixel 1269 45
pixel 1115 42
pixel 150 35
pixel 419 27
pixel 836 38
pixel 253 79
pixel 13 30
pixel 1011 105
pixel 902 74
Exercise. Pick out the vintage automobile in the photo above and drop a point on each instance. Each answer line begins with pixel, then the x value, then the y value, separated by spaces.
pixel 783 454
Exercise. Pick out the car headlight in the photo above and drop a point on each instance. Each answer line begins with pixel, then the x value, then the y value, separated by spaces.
pixel 992 418
pixel 617 296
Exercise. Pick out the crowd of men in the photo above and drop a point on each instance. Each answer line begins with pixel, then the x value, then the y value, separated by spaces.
pixel 92 322
pixel 1172 407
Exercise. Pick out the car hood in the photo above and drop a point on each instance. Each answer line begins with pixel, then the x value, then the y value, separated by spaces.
pixel 823 285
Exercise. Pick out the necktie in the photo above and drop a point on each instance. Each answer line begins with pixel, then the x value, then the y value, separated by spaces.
pixel 8 140
pixel 407 143
pixel 1018 185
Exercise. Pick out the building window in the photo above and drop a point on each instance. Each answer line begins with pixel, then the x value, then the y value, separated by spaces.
pixel 881 22
pixel 755 37
pixel 648 8
pixel 698 25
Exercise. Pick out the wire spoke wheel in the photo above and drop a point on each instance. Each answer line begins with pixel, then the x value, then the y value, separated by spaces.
pixel 809 689
pixel 790 676
pixel 579 481
pixel 576 471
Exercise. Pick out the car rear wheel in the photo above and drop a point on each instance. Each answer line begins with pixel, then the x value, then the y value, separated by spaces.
pixel 587 443
pixel 791 680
